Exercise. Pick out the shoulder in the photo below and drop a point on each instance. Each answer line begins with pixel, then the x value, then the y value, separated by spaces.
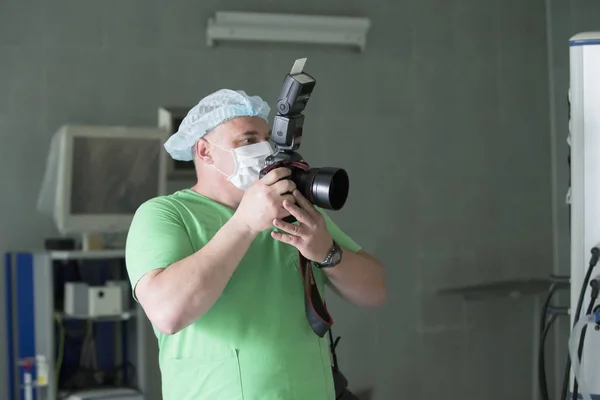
pixel 186 209
pixel 158 215
pixel 170 205
pixel 161 203
pixel 156 224
pixel 155 209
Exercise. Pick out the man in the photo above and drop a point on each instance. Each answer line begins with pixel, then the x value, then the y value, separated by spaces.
pixel 217 271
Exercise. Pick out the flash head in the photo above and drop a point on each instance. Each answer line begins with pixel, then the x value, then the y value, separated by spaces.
pixel 295 93
pixel 296 90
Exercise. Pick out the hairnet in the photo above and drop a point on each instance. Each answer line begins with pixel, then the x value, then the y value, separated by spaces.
pixel 210 112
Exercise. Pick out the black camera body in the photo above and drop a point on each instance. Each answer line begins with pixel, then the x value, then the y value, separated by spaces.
pixel 325 187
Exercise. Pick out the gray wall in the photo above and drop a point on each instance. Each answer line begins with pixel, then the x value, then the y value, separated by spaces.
pixel 565 19
pixel 443 126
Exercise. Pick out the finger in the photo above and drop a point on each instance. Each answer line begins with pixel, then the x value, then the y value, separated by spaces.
pixel 286 238
pixel 288 197
pixel 275 175
pixel 305 204
pixel 300 214
pixel 292 229
pixel 284 186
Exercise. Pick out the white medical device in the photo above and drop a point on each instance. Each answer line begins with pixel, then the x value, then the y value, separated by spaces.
pixel 584 126
pixel 84 301
pixel 97 176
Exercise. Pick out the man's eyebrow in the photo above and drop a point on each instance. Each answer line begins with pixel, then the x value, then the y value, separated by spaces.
pixel 252 133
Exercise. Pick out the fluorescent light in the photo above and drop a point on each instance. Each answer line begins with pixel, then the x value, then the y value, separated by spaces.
pixel 290 28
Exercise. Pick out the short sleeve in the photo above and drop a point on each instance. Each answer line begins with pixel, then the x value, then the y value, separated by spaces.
pixel 338 235
pixel 156 239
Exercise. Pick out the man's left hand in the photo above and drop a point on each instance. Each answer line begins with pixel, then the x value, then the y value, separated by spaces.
pixel 310 236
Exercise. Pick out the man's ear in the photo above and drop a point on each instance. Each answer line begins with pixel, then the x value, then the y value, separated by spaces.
pixel 202 151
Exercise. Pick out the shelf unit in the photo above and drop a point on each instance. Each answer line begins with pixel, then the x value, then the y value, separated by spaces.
pixel 36 322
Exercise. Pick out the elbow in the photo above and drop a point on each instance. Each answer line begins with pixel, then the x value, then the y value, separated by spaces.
pixel 375 284
pixel 373 295
pixel 379 293
pixel 375 298
pixel 379 297
pixel 168 330
pixel 167 326
pixel 380 301
pixel 166 316
pixel 166 321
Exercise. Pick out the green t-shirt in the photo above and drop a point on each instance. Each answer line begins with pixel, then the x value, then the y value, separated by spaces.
pixel 255 342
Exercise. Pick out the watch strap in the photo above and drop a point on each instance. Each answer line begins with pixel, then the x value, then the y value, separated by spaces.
pixel 328 262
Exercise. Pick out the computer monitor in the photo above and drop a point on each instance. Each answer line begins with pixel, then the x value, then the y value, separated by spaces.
pixel 97 176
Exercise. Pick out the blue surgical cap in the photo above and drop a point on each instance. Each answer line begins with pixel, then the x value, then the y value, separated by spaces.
pixel 210 112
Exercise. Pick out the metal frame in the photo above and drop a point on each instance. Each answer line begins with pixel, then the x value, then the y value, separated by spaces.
pixel 10 351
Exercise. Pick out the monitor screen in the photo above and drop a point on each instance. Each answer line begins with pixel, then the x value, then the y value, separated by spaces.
pixel 113 175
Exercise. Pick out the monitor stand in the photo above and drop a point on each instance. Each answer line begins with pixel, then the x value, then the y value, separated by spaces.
pixel 92 242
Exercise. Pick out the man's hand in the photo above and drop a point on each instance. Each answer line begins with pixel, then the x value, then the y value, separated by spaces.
pixel 263 201
pixel 310 236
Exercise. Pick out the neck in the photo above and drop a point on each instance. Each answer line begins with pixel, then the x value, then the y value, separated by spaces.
pixel 216 193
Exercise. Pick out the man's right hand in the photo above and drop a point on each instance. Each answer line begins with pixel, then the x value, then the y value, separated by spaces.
pixel 263 201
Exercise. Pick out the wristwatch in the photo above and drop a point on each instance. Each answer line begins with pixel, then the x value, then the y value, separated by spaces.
pixel 334 257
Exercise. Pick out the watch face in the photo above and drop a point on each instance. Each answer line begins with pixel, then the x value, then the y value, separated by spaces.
pixel 333 258
pixel 336 257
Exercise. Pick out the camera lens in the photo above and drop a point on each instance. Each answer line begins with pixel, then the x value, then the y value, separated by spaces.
pixel 325 187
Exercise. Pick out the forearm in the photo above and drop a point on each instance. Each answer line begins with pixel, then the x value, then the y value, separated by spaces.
pixel 359 278
pixel 187 289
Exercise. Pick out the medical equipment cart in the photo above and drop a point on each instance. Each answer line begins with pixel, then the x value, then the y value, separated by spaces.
pixel 44 363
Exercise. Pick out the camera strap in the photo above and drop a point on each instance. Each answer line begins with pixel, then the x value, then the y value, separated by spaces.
pixel 316 311
pixel 320 321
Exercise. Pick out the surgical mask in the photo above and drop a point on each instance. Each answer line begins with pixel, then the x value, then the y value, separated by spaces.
pixel 248 161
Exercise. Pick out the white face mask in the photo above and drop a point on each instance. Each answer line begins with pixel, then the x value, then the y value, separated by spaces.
pixel 248 161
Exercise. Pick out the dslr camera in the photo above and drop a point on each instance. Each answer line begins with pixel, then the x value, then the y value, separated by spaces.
pixel 325 187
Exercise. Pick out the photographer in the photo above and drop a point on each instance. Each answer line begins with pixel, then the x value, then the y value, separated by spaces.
pixel 217 271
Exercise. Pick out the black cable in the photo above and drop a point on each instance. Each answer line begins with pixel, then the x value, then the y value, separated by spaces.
pixel 543 333
pixel 594 296
pixel 562 280
pixel 542 358
pixel 586 281
pixel 544 315
pixel 593 261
